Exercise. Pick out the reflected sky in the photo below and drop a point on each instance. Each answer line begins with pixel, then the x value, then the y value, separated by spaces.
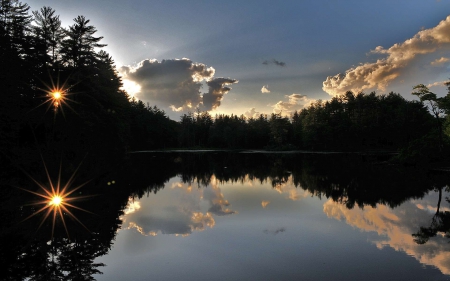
pixel 179 209
pixel 395 226
pixel 253 231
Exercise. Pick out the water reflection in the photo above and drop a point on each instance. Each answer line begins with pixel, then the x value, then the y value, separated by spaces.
pixel 33 248
pixel 236 202
pixel 395 226
pixel 180 211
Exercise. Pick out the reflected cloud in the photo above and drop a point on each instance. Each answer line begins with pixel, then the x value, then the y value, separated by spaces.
pixel 292 192
pixel 276 231
pixel 179 210
pixel 132 207
pixel 395 226
pixel 216 199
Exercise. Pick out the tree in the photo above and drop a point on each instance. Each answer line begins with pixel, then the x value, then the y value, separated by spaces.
pixel 14 25
pixel 435 105
pixel 78 48
pixel 48 33
pixel 280 129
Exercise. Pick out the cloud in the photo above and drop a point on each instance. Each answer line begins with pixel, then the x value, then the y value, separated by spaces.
pixel 252 113
pixel 294 102
pixel 380 73
pixel 437 84
pixel 265 89
pixel 175 83
pixel 274 61
pixel 131 87
pixel 440 61
pixel 217 89
pixel 265 203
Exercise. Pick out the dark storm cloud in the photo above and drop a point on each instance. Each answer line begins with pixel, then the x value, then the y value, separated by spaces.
pixel 217 89
pixel 274 61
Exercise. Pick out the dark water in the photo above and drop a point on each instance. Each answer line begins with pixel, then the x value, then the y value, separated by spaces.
pixel 232 216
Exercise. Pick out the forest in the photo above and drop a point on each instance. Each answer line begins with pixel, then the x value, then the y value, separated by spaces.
pixel 92 113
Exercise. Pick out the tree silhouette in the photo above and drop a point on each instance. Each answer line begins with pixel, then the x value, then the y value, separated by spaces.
pixel 48 34
pixel 435 105
pixel 79 44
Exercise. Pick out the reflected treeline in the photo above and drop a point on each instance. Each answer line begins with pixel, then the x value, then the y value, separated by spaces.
pixel 353 179
pixel 29 250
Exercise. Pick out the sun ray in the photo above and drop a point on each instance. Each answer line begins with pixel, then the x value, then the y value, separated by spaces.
pixel 74 217
pixel 69 182
pixel 65 194
pixel 48 177
pixel 54 222
pixel 38 194
pixel 44 218
pixel 63 221
pixel 49 194
pixel 35 213
pixel 59 178
pixel 75 207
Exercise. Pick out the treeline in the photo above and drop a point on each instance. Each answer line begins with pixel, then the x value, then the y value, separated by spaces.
pixel 348 122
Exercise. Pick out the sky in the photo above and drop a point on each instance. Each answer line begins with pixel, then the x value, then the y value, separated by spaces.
pixel 252 57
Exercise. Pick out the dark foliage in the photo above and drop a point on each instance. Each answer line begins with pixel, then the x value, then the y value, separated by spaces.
pixel 95 116
pixel 349 122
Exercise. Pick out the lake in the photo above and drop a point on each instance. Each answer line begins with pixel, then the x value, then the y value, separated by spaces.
pixel 246 216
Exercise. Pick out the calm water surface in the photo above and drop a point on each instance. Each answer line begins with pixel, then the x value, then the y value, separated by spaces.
pixel 274 229
pixel 235 216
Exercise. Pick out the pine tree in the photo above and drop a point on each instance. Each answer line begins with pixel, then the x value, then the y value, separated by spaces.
pixel 48 34
pixel 78 49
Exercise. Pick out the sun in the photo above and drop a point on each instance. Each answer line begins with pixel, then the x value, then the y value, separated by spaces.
pixel 57 200
pixel 56 95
